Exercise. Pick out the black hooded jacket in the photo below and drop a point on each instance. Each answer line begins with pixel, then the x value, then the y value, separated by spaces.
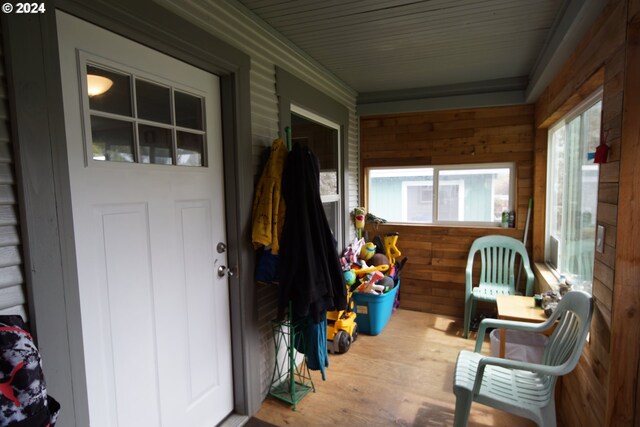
pixel 310 273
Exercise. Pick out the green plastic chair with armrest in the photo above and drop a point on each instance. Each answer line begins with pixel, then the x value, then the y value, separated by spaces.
pixel 497 273
pixel 521 388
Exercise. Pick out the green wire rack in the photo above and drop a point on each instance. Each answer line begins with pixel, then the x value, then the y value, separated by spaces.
pixel 290 381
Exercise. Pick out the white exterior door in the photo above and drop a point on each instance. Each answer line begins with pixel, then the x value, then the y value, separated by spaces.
pixel 148 208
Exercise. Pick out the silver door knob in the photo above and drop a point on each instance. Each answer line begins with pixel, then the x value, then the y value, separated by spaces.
pixel 223 270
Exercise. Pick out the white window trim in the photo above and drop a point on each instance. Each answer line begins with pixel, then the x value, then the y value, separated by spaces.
pixel 329 198
pixel 583 106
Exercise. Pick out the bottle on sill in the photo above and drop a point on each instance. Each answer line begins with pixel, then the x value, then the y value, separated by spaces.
pixel 505 219
pixel 563 286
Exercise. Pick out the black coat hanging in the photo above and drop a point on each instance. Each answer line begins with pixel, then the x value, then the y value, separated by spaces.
pixel 310 273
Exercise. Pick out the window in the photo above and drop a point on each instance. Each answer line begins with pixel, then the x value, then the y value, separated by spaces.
pixel 135 120
pixel 470 194
pixel 322 123
pixel 323 138
pixel 572 193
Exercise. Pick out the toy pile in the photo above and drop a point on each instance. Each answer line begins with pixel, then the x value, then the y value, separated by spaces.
pixel 371 267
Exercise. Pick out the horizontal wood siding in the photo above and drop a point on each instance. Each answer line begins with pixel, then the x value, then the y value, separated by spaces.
pixel 433 280
pixel 598 61
pixel 623 404
pixel 12 291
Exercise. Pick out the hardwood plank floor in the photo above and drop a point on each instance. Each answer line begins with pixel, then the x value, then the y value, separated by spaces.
pixel 402 377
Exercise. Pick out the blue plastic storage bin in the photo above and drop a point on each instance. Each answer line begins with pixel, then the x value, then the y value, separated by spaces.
pixel 373 311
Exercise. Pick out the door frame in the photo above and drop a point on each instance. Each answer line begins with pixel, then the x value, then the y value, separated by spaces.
pixel 35 93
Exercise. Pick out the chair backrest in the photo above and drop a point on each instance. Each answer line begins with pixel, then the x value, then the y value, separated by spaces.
pixel 568 339
pixel 498 257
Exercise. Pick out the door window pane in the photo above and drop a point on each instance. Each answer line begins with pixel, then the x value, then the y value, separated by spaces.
pixel 109 92
pixel 155 145
pixel 190 149
pixel 153 102
pixel 112 139
pixel 188 111
pixel 151 130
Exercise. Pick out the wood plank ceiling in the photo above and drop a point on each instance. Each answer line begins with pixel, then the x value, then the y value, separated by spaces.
pixel 398 45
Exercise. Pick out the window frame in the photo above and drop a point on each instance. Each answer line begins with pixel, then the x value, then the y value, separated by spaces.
pixel 294 93
pixel 328 198
pixel 436 169
pixel 575 112
pixel 86 59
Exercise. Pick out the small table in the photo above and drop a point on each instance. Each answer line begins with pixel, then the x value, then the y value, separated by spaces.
pixel 519 308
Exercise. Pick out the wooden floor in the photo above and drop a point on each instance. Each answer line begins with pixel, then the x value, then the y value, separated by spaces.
pixel 402 377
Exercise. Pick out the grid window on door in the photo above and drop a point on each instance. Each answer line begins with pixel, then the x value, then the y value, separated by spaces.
pixel 136 120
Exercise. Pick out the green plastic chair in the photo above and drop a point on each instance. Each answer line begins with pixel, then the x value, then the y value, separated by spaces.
pixel 497 275
pixel 521 388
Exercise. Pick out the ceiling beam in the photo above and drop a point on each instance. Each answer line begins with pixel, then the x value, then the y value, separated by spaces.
pixel 478 100
pixel 508 91
pixel 571 24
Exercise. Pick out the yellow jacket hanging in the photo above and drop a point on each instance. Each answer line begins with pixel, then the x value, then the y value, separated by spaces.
pixel 268 205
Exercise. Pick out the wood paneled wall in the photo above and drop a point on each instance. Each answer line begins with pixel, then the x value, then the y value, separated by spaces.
pixel 598 61
pixel 624 379
pixel 433 279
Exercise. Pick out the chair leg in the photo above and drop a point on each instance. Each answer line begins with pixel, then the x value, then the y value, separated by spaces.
pixel 467 316
pixel 469 312
pixel 463 408
pixel 548 415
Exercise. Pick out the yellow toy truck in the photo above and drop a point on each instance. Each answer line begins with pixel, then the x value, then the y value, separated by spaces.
pixel 342 328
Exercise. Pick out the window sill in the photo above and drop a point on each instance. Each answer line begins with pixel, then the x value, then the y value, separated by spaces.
pixel 545 278
pixel 488 226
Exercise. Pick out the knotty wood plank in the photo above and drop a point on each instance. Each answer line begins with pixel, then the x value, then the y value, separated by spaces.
pixel 603 273
pixel 599 59
pixel 599 344
pixel 539 195
pixel 608 256
pixel 610 172
pixel 585 405
pixel 602 293
pixel 607 213
pixel 608 193
pixel 400 377
pixel 625 321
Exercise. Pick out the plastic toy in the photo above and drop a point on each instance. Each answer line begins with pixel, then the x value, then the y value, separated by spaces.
pixel 342 329
pixel 390 240
pixel 368 251
pixel 369 269
pixel 350 277
pixel 351 254
pixel 379 259
pixel 387 283
pixel 359 215
pixel 370 286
